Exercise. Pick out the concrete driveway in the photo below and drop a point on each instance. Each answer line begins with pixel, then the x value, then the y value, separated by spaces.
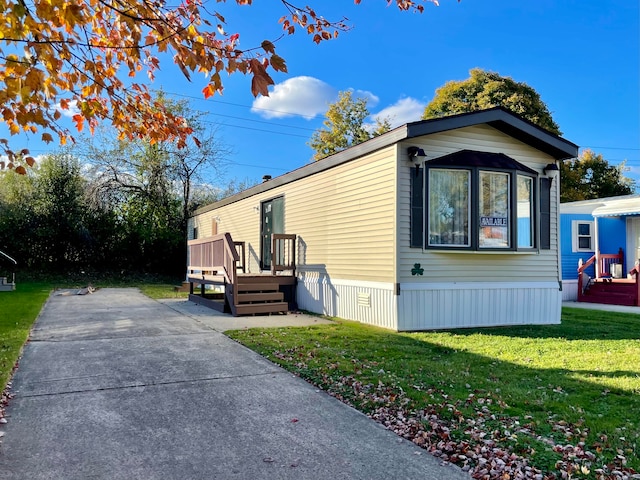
pixel 115 385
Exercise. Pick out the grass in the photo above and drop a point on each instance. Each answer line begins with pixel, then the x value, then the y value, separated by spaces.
pixel 162 290
pixel 532 390
pixel 18 311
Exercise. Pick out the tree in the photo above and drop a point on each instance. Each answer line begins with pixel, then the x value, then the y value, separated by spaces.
pixel 87 55
pixel 344 126
pixel 159 171
pixel 485 89
pixel 591 176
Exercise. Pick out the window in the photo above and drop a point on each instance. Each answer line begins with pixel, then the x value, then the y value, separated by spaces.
pixel 478 201
pixel 449 207
pixel 582 236
pixel 493 210
pixel 525 212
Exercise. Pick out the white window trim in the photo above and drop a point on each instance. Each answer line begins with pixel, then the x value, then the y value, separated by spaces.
pixel 574 235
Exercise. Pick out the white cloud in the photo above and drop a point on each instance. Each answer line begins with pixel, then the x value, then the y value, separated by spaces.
pixel 68 112
pixel 403 111
pixel 298 96
pixel 372 100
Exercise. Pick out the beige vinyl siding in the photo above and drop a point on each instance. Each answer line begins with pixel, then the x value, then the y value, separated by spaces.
pixel 344 218
pixel 448 266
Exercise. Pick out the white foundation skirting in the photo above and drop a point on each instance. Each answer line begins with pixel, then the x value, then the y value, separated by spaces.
pixel 429 306
pixel 368 302
pixel 570 290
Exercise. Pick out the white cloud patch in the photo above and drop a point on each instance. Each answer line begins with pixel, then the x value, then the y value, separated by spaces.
pixel 403 111
pixel 68 112
pixel 307 97
pixel 372 100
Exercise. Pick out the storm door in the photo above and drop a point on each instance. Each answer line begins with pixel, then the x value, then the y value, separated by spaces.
pixel 633 241
pixel 272 221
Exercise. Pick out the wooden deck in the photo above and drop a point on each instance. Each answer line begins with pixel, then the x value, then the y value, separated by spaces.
pixel 218 262
pixel 605 288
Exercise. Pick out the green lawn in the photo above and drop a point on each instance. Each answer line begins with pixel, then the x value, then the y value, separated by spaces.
pixel 18 311
pixel 162 290
pixel 565 397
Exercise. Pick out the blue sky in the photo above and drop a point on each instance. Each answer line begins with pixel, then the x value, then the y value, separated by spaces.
pixel 581 56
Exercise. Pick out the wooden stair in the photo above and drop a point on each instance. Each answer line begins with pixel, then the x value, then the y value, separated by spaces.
pixel 257 294
pixel 611 293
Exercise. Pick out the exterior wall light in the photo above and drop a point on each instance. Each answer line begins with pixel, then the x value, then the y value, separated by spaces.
pixel 552 171
pixel 416 156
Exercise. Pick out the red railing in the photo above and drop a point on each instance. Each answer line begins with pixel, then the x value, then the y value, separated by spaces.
pixel 603 268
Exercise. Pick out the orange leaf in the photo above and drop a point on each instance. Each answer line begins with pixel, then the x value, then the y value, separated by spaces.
pixel 47 138
pixel 30 161
pixel 79 119
pixel 208 91
pixel 21 170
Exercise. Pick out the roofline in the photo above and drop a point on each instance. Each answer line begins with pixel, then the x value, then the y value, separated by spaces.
pixel 593 201
pixel 497 117
pixel 507 122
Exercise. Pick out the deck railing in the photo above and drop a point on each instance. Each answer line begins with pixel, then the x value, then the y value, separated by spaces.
pixel 217 255
pixel 603 268
pixel 605 260
pixel 283 252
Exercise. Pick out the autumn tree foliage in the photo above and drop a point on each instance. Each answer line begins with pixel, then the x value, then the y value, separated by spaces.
pixel 95 57
pixel 484 89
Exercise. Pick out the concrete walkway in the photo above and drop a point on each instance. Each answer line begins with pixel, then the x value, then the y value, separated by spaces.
pixel 602 307
pixel 114 385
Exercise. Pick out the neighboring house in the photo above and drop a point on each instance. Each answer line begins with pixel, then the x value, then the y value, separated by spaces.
pixel 442 223
pixel 607 232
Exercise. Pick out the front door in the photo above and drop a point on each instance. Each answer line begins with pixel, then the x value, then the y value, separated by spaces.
pixel 272 221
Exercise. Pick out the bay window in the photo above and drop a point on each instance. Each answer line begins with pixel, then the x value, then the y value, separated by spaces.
pixel 478 201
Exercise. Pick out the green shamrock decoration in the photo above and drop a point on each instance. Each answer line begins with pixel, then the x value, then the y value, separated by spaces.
pixel 416 270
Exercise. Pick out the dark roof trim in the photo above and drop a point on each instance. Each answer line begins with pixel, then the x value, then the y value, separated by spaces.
pixel 505 121
pixel 473 158
pixel 498 117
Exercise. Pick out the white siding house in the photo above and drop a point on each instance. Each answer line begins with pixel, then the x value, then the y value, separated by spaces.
pixel 443 223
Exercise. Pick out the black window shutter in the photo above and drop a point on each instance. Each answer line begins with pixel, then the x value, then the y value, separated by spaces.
pixel 545 213
pixel 417 214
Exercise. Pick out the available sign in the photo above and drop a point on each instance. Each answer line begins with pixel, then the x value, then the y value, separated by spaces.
pixel 493 221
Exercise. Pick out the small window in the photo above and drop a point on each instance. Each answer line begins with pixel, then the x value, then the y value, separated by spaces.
pixel 582 236
pixel 524 212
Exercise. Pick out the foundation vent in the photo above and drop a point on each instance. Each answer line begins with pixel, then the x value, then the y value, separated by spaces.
pixel 364 299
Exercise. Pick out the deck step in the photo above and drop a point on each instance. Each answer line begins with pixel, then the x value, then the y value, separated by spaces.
pixel 252 308
pixel 609 299
pixel 258 287
pixel 260 297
